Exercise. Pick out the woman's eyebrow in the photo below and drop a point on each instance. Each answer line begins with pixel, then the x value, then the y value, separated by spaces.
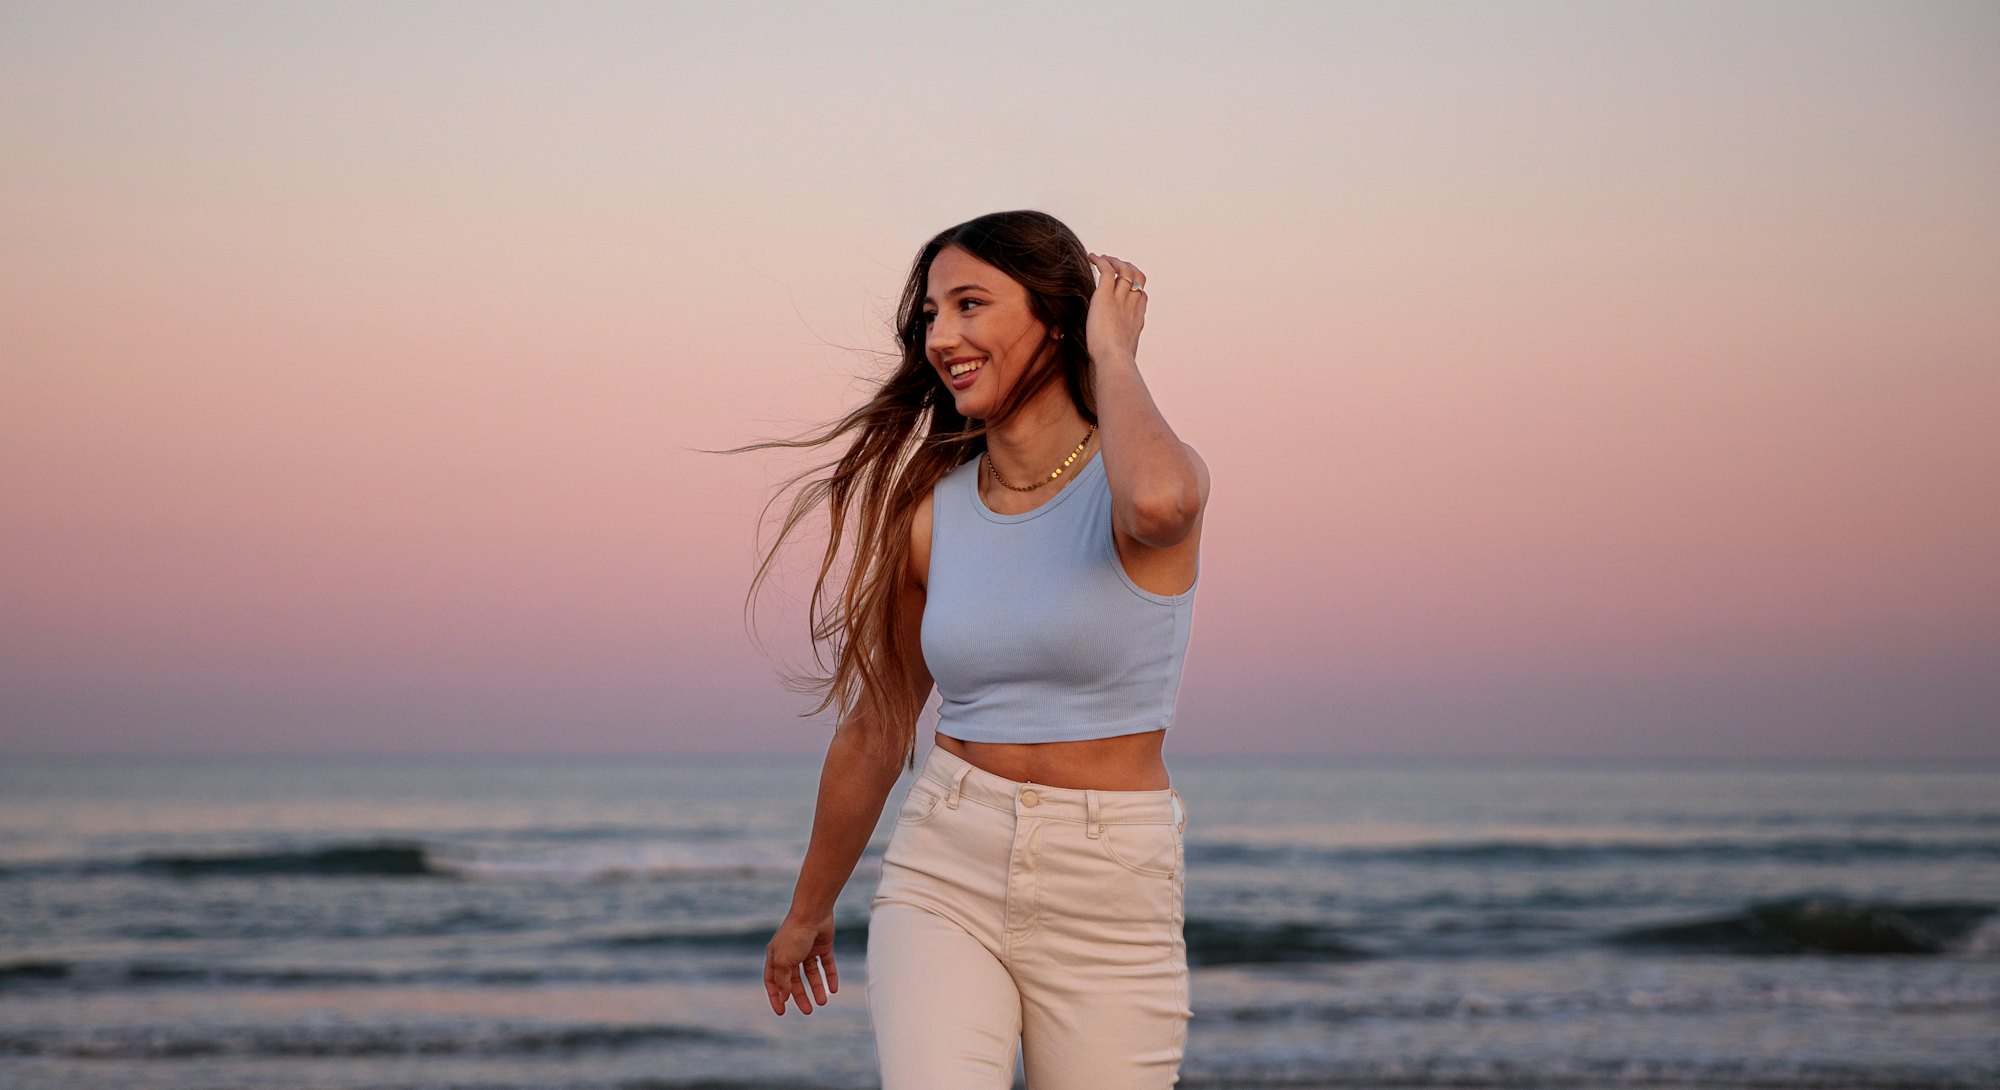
pixel 960 288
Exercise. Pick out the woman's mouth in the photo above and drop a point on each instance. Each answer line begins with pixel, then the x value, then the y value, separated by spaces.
pixel 964 374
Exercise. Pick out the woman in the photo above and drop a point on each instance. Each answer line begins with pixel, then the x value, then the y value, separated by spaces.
pixel 1028 529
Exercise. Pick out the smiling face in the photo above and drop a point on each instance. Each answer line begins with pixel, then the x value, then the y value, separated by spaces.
pixel 978 323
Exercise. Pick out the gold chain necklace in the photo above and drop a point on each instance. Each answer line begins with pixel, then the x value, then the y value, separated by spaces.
pixel 1058 470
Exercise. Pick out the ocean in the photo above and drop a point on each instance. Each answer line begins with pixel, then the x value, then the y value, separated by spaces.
pixel 426 922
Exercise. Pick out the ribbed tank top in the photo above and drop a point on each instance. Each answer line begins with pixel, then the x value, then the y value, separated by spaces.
pixel 1033 629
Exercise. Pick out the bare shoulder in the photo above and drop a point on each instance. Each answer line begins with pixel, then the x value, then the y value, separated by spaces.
pixel 920 543
pixel 916 599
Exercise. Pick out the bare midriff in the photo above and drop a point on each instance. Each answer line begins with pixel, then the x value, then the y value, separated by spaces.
pixel 1128 762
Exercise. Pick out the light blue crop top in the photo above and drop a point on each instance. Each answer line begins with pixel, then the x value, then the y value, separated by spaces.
pixel 1032 627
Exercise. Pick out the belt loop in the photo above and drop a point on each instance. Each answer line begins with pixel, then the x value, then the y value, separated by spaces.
pixel 957 789
pixel 1180 811
pixel 1091 826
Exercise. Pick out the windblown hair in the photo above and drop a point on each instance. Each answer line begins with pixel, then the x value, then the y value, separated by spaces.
pixel 906 437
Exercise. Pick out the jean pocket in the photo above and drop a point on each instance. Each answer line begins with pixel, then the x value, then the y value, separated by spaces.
pixel 921 804
pixel 1149 849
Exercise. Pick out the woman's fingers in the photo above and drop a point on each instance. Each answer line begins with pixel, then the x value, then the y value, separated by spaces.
pixel 1105 271
pixel 781 983
pixel 813 978
pixel 832 972
pixel 773 990
pixel 1114 269
pixel 790 988
pixel 799 991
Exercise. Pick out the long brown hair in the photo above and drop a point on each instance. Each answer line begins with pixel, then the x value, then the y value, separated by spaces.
pixel 907 436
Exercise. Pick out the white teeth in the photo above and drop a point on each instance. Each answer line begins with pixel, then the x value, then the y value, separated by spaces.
pixel 958 369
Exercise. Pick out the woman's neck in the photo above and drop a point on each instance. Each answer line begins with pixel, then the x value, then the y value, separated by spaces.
pixel 1027 448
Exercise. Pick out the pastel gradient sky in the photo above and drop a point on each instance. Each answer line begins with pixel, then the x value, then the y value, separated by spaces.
pixel 1576 379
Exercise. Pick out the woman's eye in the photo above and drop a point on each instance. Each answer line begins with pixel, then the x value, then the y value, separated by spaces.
pixel 931 315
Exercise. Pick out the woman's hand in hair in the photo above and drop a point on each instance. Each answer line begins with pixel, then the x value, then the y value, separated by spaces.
pixel 1117 313
pixel 798 950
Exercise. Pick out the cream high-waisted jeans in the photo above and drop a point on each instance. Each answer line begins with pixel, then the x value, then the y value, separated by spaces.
pixel 1013 915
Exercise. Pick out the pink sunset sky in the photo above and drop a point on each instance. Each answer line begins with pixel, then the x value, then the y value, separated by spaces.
pixel 1576 379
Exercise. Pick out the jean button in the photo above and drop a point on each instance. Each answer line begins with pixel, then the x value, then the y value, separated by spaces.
pixel 1028 797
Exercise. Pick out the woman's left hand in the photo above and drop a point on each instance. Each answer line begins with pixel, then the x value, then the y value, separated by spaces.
pixel 1117 311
